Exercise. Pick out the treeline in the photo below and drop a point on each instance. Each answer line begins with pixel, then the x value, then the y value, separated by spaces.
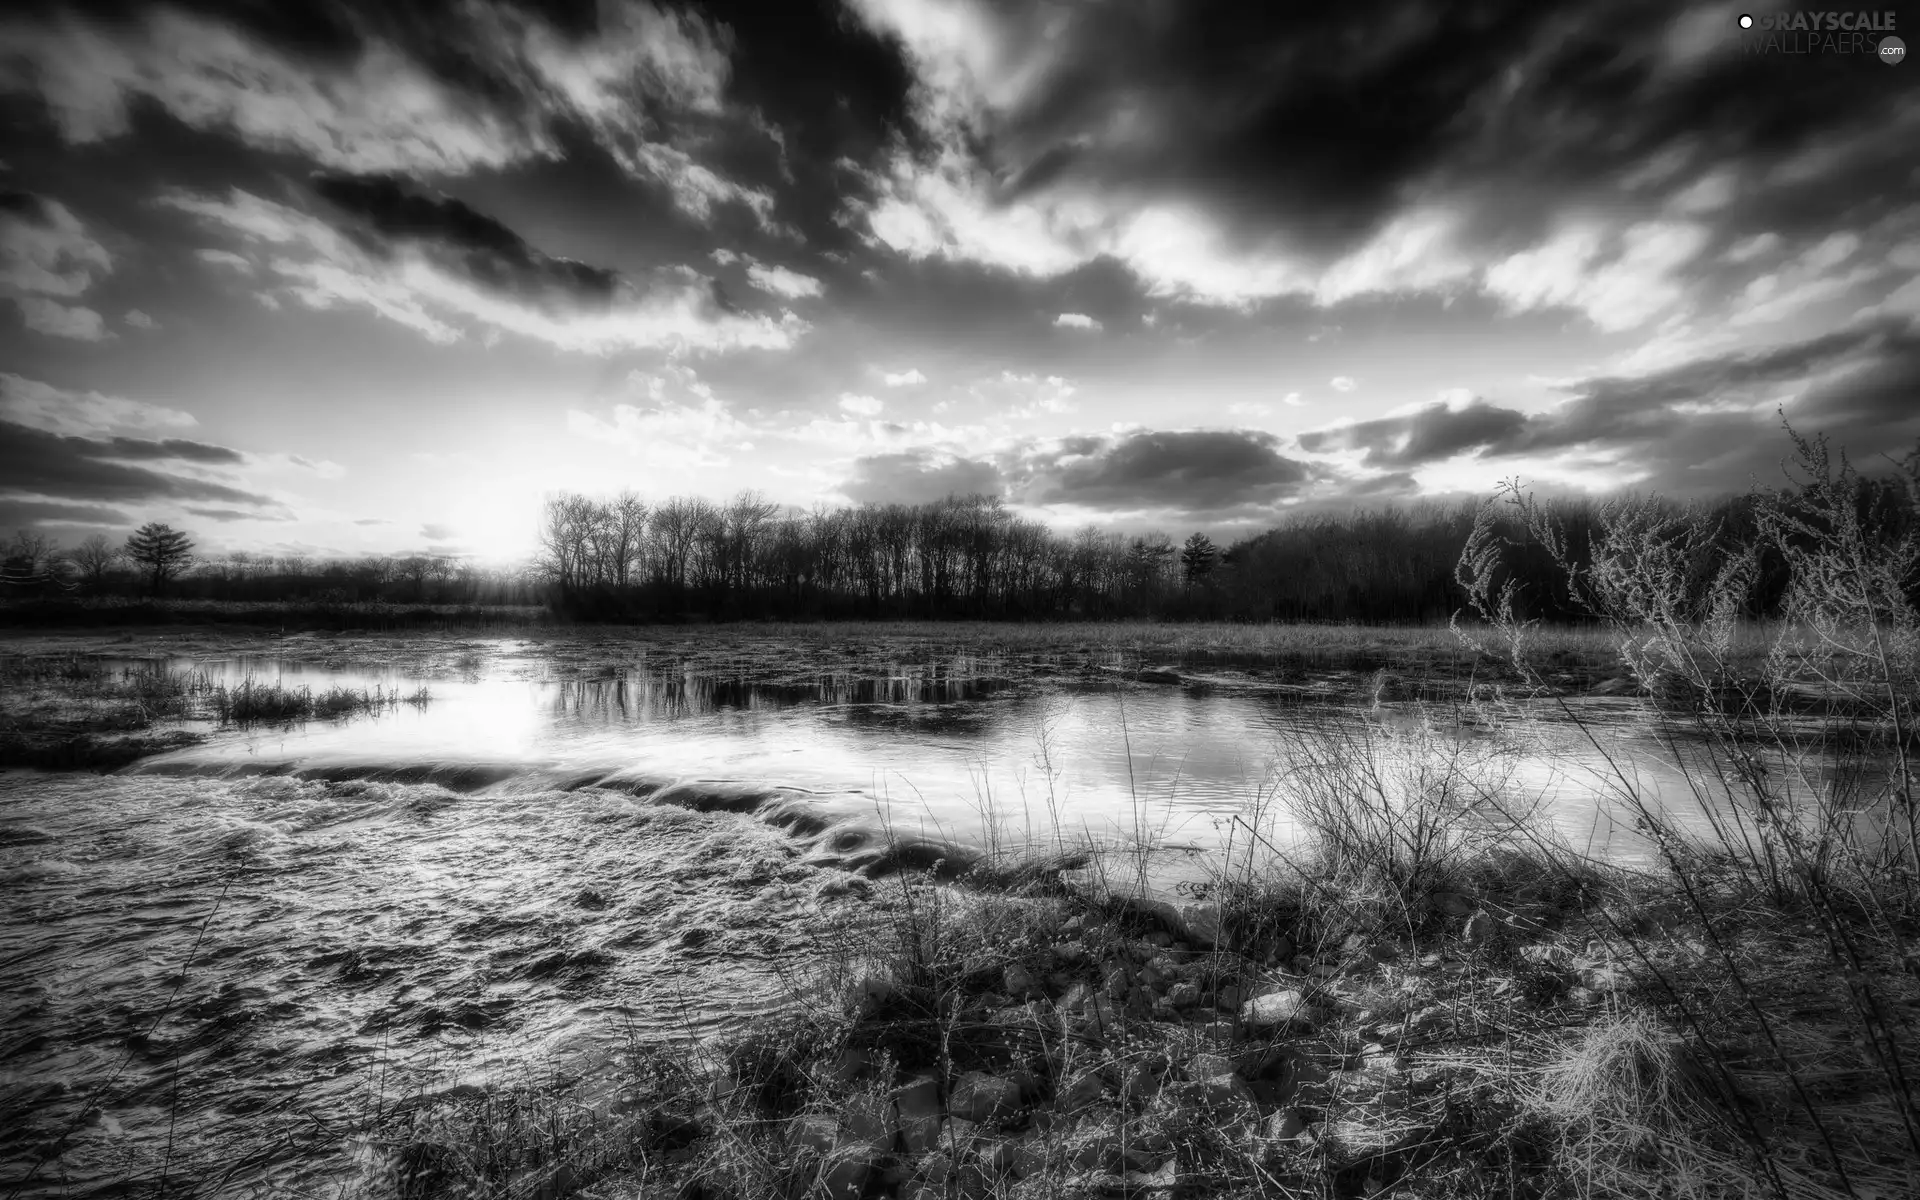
pixel 158 560
pixel 969 557
pixel 625 559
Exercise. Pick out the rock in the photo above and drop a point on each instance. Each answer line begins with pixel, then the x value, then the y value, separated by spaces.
pixel 867 994
pixel 1231 995
pixel 1117 983
pixel 843 1176
pixel 916 1115
pixel 1603 979
pixel 1218 1098
pixel 1287 1126
pixel 1080 1091
pixel 1479 929
pixel 1076 998
pixel 978 1096
pixel 1451 904
pixel 1277 1010
pixel 1206 1066
pixel 1159 939
pixel 1020 982
pixel 1070 953
pixel 1183 995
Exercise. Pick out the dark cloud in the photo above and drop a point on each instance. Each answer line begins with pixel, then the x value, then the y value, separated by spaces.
pixel 1429 435
pixel 1700 427
pixel 919 476
pixel 395 210
pixel 84 469
pixel 234 514
pixel 1319 122
pixel 1188 471
pixel 179 449
pixel 17 513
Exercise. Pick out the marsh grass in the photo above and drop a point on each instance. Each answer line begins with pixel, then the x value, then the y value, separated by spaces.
pixel 67 712
pixel 252 702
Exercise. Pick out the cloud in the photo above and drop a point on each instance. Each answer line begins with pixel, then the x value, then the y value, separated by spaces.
pixel 373 521
pixel 1342 383
pixel 1076 321
pixel 139 320
pixel 1697 428
pixel 1543 156
pixel 39 463
pixel 225 258
pixel 62 320
pixel 676 421
pixel 919 476
pixel 18 513
pixel 439 533
pixel 906 378
pixel 47 260
pixel 365 87
pixel 864 406
pixel 1018 396
pixel 1293 399
pixel 234 514
pixel 433 264
pixel 782 282
pixel 1187 471
pixel 42 406
pixel 461 240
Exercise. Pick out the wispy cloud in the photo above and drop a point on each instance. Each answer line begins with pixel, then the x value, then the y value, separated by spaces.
pixel 441 267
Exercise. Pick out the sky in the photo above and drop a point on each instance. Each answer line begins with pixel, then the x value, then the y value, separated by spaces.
pixel 364 277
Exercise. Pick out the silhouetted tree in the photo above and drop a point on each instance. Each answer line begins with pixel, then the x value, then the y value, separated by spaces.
pixel 1196 558
pixel 95 557
pixel 161 550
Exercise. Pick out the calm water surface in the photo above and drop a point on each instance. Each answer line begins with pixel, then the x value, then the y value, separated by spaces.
pixel 218 962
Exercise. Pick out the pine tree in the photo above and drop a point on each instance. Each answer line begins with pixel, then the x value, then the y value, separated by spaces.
pixel 162 550
pixel 1196 558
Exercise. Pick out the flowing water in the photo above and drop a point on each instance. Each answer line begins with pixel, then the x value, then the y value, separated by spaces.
pixel 219 962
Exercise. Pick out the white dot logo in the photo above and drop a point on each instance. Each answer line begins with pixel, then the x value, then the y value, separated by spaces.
pixel 1746 22
pixel 1892 50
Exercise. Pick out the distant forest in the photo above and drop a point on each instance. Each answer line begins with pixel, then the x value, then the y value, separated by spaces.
pixel 624 559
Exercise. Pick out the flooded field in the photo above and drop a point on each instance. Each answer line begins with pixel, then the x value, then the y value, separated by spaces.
pixel 219 960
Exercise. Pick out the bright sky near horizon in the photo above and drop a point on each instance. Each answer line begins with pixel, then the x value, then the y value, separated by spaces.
pixel 350 277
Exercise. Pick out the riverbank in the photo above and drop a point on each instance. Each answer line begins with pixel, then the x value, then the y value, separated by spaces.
pixel 1535 1029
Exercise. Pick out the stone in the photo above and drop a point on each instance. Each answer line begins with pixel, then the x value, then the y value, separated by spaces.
pixel 1183 995
pixel 1080 1091
pixel 1277 1010
pixel 1076 998
pixel 1206 1066
pixel 916 1115
pixel 1287 1126
pixel 1071 953
pixel 1479 929
pixel 978 1096
pixel 1117 983
pixel 843 1176
pixel 1019 981
pixel 1231 995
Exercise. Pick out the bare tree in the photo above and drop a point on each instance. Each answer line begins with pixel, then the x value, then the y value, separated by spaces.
pixel 95 557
